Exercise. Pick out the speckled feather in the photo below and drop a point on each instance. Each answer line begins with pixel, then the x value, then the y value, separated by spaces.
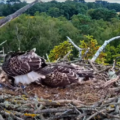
pixel 28 67
pixel 22 63
pixel 60 76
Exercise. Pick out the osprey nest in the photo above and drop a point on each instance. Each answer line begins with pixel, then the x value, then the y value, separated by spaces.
pixel 95 98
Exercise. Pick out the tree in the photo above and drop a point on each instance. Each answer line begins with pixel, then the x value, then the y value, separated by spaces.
pixel 13 1
pixel 40 31
pixel 54 12
pixel 82 1
pixel 102 13
pixel 81 22
pixel 75 0
pixel 68 0
pixel 93 46
pixel 60 51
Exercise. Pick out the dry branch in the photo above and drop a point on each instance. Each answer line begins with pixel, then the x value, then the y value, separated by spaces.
pixel 27 107
pixel 111 81
pixel 78 48
pixel 47 57
pixel 3 42
pixel 18 38
pixel 102 47
pixel 96 113
pixel 66 56
pixel 16 14
pixel 93 66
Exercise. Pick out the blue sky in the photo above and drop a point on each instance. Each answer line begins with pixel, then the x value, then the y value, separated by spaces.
pixel 112 1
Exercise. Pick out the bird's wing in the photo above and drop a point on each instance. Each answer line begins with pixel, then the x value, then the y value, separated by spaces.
pixel 34 61
pixel 60 77
pixel 22 64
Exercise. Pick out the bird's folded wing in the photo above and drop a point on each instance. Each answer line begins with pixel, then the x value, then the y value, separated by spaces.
pixel 24 63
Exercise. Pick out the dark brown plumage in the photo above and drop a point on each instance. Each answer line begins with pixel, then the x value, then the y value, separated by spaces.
pixel 28 67
pixel 23 63
pixel 61 76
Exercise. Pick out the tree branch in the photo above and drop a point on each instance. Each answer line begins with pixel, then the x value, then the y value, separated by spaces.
pixel 78 48
pixel 102 47
pixel 3 42
pixel 16 14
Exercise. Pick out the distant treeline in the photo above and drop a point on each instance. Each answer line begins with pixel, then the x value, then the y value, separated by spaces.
pixel 66 9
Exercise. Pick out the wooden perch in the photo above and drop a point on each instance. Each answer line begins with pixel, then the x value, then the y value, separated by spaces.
pixel 16 14
pixel 102 47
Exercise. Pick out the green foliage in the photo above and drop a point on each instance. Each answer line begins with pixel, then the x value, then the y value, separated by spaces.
pixel 81 22
pixel 54 12
pixel 104 30
pixel 112 52
pixel 7 9
pixel 60 51
pixel 55 9
pixel 102 13
pixel 93 46
pixel 40 31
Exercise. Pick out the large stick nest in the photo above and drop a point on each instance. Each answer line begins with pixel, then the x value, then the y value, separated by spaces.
pixel 97 98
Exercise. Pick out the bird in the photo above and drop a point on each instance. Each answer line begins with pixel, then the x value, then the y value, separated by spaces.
pixel 63 75
pixel 22 66
pixel 28 67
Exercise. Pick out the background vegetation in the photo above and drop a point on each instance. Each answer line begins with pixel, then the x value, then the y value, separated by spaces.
pixel 46 25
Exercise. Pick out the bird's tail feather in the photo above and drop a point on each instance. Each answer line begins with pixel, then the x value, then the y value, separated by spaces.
pixel 28 78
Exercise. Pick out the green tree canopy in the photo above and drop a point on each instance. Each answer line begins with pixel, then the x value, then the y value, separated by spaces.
pixel 102 13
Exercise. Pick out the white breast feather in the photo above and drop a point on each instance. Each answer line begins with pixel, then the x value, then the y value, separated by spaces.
pixel 28 78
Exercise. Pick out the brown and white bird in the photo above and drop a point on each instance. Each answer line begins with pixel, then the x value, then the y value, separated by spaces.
pixel 63 75
pixel 23 66
pixel 28 67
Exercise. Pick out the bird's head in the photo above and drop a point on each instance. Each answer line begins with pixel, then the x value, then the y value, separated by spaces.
pixel 12 54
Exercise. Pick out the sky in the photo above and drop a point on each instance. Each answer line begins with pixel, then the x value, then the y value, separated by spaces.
pixel 112 1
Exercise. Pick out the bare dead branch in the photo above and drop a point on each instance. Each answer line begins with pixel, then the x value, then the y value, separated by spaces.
pixel 66 56
pixel 102 47
pixel 96 113
pixel 86 52
pixel 78 48
pixel 7 19
pixel 114 63
pixel 94 68
pixel 3 42
pixel 18 38
pixel 47 57
pixel 111 81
